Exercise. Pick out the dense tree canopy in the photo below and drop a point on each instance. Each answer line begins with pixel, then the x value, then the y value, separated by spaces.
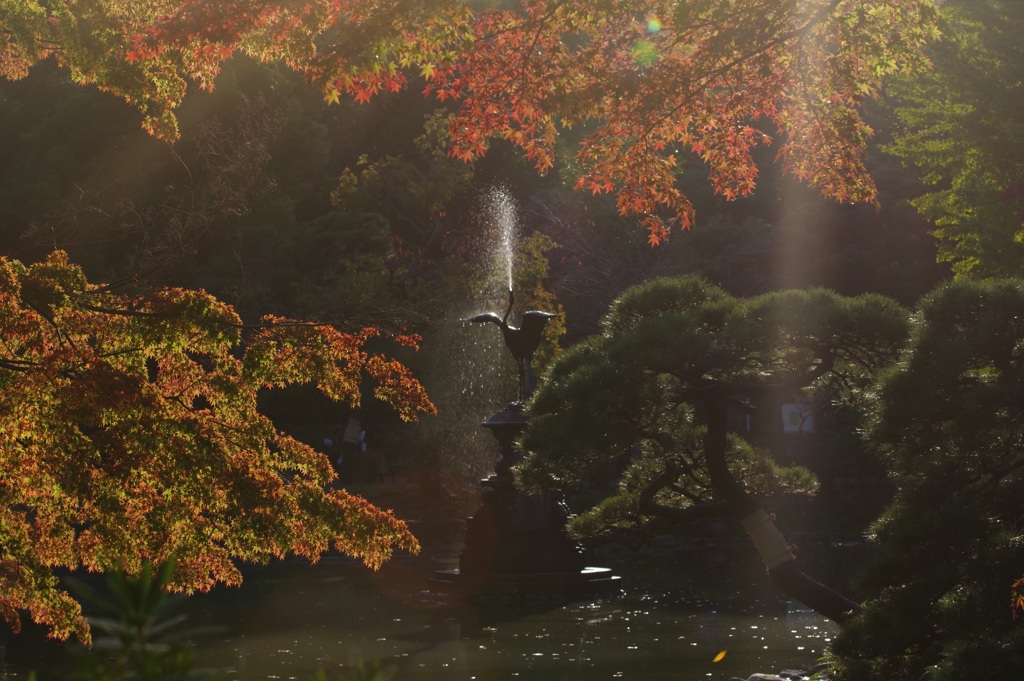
pixel 626 401
pixel 129 431
pixel 147 52
pixel 649 80
pixel 652 81
pixel 961 130
pixel 949 422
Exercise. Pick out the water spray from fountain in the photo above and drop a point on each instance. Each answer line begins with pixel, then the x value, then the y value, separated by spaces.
pixel 467 386
pixel 504 214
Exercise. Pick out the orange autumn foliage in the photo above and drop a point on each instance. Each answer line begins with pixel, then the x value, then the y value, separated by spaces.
pixel 652 85
pixel 129 431
pixel 655 82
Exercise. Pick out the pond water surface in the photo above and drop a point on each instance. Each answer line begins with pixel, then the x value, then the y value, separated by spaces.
pixel 674 617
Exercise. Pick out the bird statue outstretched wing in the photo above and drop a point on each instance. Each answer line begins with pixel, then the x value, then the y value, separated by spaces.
pixel 485 317
pixel 531 329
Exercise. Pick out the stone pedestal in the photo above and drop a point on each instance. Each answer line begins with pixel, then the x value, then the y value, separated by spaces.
pixel 517 549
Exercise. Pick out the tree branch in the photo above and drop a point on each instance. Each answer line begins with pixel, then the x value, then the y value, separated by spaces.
pixel 699 512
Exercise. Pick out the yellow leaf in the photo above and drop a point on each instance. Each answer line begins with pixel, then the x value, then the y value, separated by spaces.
pixel 427 70
pixel 719 657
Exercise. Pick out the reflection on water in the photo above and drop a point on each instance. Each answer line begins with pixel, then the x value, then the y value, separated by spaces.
pixel 675 616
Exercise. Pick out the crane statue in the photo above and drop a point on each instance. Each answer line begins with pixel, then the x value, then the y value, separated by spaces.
pixel 517 548
pixel 522 341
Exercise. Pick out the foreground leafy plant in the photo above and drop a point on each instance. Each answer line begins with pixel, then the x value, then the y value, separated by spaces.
pixel 141 638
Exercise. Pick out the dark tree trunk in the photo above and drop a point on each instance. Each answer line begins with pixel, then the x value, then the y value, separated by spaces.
pixel 782 567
